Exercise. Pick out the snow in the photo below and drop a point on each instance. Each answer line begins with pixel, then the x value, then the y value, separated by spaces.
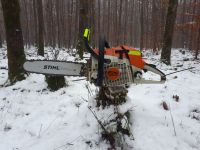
pixel 33 118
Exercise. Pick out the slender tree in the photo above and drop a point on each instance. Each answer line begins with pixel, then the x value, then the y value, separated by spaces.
pixel 35 23
pixel 154 25
pixel 169 29
pixel 54 82
pixel 198 44
pixel 83 22
pixel 142 25
pixel 40 28
pixel 15 46
pixel 1 42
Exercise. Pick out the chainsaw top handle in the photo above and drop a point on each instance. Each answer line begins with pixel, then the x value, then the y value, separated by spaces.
pixel 86 38
pixel 86 41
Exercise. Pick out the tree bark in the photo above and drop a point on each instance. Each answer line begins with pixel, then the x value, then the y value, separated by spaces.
pixel 1 45
pixel 54 82
pixel 142 25
pixel 83 22
pixel 40 28
pixel 198 45
pixel 58 17
pixel 35 23
pixel 155 26
pixel 169 29
pixel 14 38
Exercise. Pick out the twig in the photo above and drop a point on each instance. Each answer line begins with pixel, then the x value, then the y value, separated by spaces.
pixel 100 123
pixel 4 68
pixel 69 143
pixel 49 125
pixel 6 84
pixel 179 71
pixel 110 137
pixel 84 99
pixel 40 131
pixel 89 90
pixel 172 120
pixel 78 80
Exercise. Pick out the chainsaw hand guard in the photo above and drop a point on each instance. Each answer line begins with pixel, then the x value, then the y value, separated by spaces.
pixel 151 68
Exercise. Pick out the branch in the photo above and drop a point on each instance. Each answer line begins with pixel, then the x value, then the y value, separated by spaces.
pixel 172 120
pixel 100 123
pixel 4 68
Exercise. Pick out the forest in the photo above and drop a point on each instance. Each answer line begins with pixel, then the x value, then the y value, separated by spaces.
pixel 137 23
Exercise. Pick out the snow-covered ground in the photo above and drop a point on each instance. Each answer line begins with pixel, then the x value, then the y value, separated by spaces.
pixel 33 118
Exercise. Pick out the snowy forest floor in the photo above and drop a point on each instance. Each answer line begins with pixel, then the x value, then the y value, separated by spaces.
pixel 34 118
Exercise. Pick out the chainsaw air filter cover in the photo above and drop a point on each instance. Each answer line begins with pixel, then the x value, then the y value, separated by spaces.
pixel 117 74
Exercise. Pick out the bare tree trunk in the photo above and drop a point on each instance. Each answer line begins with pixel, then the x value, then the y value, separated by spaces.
pixel 192 30
pixel 142 25
pixel 76 26
pixel 198 37
pixel 58 17
pixel 169 29
pixel 83 22
pixel 99 19
pixel 182 39
pixel 119 24
pixel 54 82
pixel 15 46
pixel 126 18
pixel 26 33
pixel 1 40
pixel 35 22
pixel 198 45
pixel 116 18
pixel 132 26
pixel 92 21
pixel 40 28
pixel 154 25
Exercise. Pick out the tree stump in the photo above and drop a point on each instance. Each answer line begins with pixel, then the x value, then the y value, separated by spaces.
pixel 117 125
pixel 55 82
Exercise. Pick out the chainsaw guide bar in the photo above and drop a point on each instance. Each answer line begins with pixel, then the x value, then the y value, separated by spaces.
pixel 48 67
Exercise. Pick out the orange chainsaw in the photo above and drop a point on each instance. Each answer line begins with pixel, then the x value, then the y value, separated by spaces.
pixel 116 66
pixel 107 66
